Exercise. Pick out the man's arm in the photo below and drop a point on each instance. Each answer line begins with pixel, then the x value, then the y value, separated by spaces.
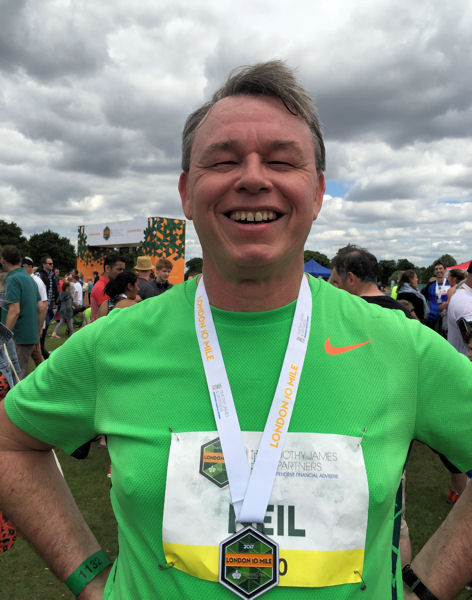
pixel 12 315
pixel 444 564
pixel 42 310
pixel 36 498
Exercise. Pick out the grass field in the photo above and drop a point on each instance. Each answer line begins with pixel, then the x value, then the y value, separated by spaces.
pixel 24 576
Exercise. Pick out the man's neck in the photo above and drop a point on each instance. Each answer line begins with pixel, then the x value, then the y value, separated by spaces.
pixel 8 268
pixel 370 289
pixel 252 295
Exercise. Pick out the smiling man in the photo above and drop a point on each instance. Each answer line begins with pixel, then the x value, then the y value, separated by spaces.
pixel 259 396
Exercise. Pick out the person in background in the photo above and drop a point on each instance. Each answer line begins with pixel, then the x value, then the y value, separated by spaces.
pixel 408 290
pixel 22 309
pixel 436 297
pixel 67 310
pixel 39 351
pixel 163 271
pixel 356 270
pixel 46 273
pixel 144 268
pixel 122 292
pixel 112 266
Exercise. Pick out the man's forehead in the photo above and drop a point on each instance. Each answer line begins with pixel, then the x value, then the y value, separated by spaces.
pixel 247 110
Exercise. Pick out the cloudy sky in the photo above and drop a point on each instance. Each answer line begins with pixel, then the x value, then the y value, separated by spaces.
pixel 93 97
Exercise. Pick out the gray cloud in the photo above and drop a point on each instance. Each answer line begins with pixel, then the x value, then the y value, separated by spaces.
pixel 93 98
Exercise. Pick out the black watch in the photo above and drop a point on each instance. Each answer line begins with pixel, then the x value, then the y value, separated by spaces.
pixel 416 585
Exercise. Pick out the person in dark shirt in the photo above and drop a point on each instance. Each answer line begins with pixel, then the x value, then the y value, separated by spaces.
pixel 163 270
pixel 356 270
pixel 144 269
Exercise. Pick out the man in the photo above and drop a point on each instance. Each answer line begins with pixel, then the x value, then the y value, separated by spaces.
pixel 144 270
pixel 27 264
pixel 460 307
pixel 22 310
pixel 113 264
pixel 436 297
pixel 47 275
pixel 252 181
pixel 163 271
pixel 356 271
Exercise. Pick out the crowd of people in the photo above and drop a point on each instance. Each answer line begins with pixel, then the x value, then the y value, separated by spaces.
pixel 301 471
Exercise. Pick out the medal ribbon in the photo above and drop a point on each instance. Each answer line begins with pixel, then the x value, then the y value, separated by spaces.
pixel 441 289
pixel 250 491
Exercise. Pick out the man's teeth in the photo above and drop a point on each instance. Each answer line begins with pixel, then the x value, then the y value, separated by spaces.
pixel 250 217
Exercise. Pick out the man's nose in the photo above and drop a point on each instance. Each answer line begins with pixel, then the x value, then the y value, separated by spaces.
pixel 254 176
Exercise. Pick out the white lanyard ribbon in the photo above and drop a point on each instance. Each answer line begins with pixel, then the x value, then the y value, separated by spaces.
pixel 441 289
pixel 250 491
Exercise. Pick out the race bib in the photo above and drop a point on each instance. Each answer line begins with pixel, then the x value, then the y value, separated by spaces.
pixel 317 511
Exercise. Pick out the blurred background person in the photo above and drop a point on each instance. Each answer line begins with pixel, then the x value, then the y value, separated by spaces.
pixel 122 292
pixel 163 270
pixel 408 290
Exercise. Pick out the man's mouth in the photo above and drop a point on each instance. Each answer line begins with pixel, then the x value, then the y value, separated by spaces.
pixel 247 216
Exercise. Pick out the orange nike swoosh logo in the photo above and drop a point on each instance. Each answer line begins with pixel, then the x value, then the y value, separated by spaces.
pixel 333 350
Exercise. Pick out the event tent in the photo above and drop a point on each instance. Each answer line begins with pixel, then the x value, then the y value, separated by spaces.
pixel 463 266
pixel 317 270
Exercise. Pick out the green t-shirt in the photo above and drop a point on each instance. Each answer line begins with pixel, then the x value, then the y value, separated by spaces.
pixel 138 378
pixel 19 287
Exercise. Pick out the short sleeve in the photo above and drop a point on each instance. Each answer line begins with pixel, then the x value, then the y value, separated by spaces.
pixel 444 405
pixel 56 403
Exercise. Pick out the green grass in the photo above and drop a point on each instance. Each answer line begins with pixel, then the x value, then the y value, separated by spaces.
pixel 24 576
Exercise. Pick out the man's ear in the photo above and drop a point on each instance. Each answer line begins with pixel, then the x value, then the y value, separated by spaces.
pixel 319 193
pixel 183 191
pixel 352 283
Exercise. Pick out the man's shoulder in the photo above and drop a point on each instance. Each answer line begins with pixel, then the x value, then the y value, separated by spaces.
pixel 461 301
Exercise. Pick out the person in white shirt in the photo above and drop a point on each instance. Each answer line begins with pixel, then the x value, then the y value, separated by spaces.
pixel 460 306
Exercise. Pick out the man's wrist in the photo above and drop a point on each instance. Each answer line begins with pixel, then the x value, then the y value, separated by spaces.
pixel 87 572
pixel 417 588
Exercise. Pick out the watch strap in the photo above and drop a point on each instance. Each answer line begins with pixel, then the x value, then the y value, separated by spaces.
pixel 416 585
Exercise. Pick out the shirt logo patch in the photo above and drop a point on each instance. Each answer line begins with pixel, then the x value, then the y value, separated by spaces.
pixel 334 350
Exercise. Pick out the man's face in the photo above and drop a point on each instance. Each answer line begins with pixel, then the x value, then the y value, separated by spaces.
pixel 112 271
pixel 56 272
pixel 252 189
pixel 439 271
pixel 48 265
pixel 163 274
pixel 28 269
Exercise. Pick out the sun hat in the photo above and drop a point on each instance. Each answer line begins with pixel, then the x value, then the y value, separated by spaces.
pixel 144 263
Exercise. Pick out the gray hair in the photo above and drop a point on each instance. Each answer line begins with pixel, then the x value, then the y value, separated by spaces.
pixel 272 78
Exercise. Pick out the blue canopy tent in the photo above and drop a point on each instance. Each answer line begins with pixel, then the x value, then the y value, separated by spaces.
pixel 317 270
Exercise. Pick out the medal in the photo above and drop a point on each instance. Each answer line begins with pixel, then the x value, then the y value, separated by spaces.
pixel 249 559
pixel 249 563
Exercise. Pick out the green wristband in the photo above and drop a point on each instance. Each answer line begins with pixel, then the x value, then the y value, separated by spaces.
pixel 87 571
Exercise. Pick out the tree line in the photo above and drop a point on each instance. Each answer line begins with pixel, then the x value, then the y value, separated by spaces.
pixel 389 270
pixel 40 244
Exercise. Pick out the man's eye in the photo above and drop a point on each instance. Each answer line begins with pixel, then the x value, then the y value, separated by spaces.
pixel 225 162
